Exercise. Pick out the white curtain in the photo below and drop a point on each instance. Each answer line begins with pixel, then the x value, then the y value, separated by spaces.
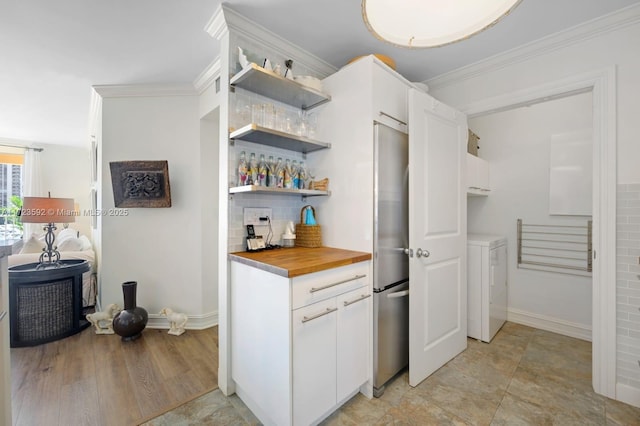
pixel 32 185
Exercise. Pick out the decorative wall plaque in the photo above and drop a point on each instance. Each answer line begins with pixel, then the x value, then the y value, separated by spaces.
pixel 140 183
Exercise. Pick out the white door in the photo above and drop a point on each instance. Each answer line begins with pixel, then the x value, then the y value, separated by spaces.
pixel 437 235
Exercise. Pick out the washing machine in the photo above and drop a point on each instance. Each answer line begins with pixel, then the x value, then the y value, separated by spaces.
pixel 486 285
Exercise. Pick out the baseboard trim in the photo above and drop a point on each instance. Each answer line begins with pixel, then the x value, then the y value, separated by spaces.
pixel 628 394
pixel 554 325
pixel 195 322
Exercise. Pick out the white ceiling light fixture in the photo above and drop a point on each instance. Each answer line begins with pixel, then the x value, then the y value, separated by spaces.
pixel 431 23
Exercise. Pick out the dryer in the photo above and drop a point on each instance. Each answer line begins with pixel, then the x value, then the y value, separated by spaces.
pixel 486 285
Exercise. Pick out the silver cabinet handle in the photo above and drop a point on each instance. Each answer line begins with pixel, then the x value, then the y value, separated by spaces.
pixel 364 296
pixel 422 253
pixel 321 314
pixel 408 252
pixel 398 294
pixel 2 315
pixel 314 289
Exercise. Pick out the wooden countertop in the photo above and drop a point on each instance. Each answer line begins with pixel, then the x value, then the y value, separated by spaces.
pixel 296 261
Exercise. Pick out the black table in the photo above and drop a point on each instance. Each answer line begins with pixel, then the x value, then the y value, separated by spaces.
pixel 45 303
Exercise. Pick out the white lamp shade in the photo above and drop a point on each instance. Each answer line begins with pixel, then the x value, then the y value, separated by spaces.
pixel 431 23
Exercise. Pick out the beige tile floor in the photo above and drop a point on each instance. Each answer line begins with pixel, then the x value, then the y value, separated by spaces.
pixel 523 377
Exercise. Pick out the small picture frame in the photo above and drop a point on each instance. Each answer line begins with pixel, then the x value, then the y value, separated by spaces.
pixel 140 184
pixel 94 208
pixel 94 161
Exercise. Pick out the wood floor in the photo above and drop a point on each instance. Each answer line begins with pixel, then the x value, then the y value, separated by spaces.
pixel 90 379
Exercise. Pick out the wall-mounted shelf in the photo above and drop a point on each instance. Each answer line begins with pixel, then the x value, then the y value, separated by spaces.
pixel 267 83
pixel 277 139
pixel 274 191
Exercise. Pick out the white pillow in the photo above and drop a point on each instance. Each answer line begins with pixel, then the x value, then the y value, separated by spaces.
pixel 69 244
pixel 86 244
pixel 33 245
pixel 67 233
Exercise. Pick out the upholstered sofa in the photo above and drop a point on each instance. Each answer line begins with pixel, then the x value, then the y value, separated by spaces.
pixel 71 245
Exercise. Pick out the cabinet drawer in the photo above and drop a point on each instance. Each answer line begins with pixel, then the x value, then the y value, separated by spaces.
pixel 322 285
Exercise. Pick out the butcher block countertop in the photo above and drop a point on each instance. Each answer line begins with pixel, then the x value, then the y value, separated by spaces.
pixel 296 261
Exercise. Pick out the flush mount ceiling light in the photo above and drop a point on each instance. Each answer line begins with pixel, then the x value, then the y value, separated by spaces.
pixel 431 23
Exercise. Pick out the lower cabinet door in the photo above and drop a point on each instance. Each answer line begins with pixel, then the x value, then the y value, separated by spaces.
pixel 353 340
pixel 314 360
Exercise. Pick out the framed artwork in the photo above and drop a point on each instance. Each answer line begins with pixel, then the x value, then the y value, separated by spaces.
pixel 94 161
pixel 94 208
pixel 140 183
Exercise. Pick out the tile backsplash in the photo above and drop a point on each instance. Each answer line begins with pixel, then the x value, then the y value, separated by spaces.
pixel 285 207
pixel 628 285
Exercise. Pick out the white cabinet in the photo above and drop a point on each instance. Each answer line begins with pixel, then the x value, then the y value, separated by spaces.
pixel 300 346
pixel 352 341
pixel 477 176
pixel 314 360
pixel 389 96
pixel 330 349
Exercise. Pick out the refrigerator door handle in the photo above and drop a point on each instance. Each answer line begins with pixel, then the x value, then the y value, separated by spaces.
pixel 398 294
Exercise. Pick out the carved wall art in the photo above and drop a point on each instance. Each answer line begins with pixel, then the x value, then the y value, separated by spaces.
pixel 140 183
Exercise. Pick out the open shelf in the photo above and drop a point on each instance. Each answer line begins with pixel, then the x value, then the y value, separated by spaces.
pixel 270 137
pixel 284 191
pixel 267 83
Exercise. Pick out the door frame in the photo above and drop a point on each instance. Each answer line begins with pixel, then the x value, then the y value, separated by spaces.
pixel 602 84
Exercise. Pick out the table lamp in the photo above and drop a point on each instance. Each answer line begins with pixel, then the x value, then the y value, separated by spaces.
pixel 49 211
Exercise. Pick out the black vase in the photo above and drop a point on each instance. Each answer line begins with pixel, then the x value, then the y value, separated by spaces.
pixel 130 322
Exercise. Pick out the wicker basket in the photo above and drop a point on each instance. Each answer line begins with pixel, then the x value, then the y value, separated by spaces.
pixel 308 235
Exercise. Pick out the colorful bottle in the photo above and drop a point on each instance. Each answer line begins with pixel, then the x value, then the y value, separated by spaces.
pixel 280 173
pixel 242 170
pixel 262 171
pixel 271 172
pixel 253 170
pixel 295 174
pixel 302 176
pixel 288 178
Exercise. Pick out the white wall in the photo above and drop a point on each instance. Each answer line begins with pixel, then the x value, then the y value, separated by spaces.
pixel 160 248
pixel 209 142
pixel 589 54
pixel 516 143
pixel 66 173
pixel 608 45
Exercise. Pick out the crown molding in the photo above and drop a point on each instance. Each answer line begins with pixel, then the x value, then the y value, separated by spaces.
pixel 208 76
pixel 596 27
pixel 145 90
pixel 217 25
pixel 227 19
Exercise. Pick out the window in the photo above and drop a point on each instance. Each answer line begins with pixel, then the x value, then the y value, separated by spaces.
pixel 10 193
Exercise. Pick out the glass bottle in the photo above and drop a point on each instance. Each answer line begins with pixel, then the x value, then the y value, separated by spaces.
pixel 253 170
pixel 280 173
pixel 288 178
pixel 271 172
pixel 242 169
pixel 302 176
pixel 295 175
pixel 262 171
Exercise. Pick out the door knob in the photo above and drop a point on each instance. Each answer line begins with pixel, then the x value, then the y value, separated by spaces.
pixel 408 252
pixel 422 253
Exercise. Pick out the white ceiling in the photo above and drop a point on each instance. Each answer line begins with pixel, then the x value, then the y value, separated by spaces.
pixel 52 52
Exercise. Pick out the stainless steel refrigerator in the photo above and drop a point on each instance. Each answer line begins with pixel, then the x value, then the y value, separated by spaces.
pixel 391 264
